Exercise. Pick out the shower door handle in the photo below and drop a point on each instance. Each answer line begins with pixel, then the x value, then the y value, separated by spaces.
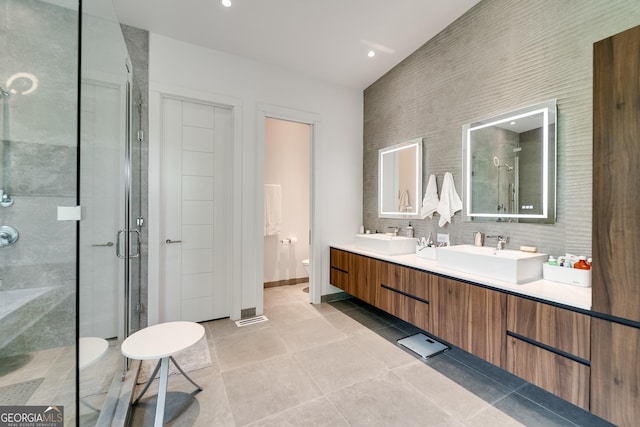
pixel 131 255
pixel 172 241
pixel 109 244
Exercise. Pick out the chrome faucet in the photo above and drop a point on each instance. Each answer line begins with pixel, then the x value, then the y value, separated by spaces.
pixel 502 241
pixel 394 230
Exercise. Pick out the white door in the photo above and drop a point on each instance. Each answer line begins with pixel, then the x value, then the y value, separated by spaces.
pixel 101 186
pixel 195 210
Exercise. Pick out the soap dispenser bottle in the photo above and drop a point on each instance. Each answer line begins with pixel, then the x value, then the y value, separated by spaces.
pixel 408 232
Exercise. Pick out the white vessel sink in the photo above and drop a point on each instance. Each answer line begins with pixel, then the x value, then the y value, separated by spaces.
pixel 386 244
pixel 506 265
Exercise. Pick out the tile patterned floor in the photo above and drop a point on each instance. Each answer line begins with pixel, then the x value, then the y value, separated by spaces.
pixel 54 372
pixel 337 364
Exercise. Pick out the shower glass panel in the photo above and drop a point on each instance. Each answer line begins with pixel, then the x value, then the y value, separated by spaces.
pixel 38 173
pixel 107 241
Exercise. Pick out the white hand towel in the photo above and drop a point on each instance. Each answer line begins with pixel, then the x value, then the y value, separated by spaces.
pixel 404 202
pixel 450 202
pixel 430 201
pixel 272 209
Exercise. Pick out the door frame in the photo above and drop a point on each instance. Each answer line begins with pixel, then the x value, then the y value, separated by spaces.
pixel 157 92
pixel 313 120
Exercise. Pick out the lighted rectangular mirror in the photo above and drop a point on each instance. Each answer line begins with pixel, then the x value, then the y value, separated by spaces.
pixel 509 165
pixel 400 180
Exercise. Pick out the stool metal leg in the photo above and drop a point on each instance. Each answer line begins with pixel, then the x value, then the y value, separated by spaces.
pixel 149 381
pixel 185 375
pixel 163 366
pixel 162 392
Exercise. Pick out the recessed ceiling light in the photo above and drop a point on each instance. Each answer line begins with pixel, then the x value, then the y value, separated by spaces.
pixel 513 123
pixel 371 54
pixel 226 3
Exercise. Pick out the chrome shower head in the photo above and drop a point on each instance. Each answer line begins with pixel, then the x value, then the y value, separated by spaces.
pixel 4 93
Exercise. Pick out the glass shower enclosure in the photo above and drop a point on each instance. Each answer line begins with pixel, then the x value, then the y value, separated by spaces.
pixel 68 235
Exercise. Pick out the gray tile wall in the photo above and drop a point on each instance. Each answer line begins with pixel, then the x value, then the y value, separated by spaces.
pixel 499 56
pixel 39 150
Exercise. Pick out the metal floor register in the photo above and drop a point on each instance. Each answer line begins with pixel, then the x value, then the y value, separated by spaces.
pixel 423 345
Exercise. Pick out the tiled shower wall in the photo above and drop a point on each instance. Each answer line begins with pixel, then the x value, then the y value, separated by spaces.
pixel 499 56
pixel 39 170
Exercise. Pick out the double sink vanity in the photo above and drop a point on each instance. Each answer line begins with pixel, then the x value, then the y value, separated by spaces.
pixel 491 303
pixel 505 269
pixel 580 343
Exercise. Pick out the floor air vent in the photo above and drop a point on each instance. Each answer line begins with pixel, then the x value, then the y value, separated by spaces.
pixel 251 321
pixel 423 345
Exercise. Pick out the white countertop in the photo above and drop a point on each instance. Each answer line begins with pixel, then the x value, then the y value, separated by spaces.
pixel 573 296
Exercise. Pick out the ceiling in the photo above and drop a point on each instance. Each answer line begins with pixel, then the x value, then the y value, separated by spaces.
pixel 325 39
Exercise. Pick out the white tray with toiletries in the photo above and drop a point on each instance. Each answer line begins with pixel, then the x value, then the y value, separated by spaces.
pixel 426 252
pixel 568 275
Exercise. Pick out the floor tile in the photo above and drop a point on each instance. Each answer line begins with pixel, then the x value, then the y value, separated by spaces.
pixel 217 330
pixel 345 323
pixel 367 318
pixel 561 407
pixel 472 380
pixel 384 401
pixel 291 312
pixel 251 347
pixel 383 350
pixel 338 364
pixel 449 396
pixel 316 413
pixel 530 413
pixel 263 389
pixel 308 334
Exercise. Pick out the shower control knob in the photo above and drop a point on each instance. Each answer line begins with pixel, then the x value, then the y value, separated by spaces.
pixel 8 236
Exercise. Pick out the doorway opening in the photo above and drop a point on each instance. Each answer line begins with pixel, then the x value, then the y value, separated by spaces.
pixel 287 202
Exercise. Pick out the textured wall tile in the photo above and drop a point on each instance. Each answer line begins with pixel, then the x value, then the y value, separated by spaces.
pixel 499 56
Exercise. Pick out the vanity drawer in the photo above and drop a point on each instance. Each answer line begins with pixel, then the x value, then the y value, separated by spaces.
pixel 339 271
pixel 561 329
pixel 559 375
pixel 404 293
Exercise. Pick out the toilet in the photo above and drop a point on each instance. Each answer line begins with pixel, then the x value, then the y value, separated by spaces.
pixel 307 265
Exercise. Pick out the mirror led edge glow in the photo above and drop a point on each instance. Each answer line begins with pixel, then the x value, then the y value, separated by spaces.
pixel 545 165
pixel 415 213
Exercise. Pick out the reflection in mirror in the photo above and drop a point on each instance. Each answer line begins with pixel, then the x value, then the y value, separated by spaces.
pixel 400 180
pixel 509 166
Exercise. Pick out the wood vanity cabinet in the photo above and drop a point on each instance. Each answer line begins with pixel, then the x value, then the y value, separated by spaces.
pixel 550 347
pixel 616 175
pixel 363 278
pixel 615 384
pixel 354 274
pixel 470 317
pixel 339 268
pixel 615 372
pixel 404 293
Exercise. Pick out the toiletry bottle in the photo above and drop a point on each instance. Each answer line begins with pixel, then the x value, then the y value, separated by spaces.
pixel 582 263
pixel 552 261
pixel 408 232
pixel 561 261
